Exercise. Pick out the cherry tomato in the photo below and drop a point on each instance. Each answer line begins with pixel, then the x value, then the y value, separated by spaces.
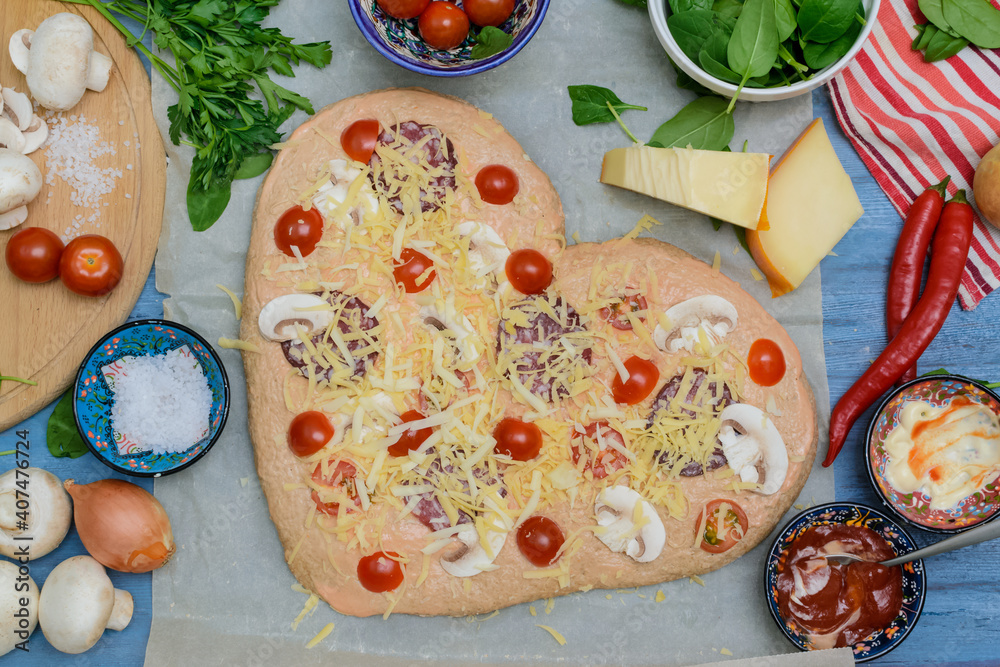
pixel 488 12
pixel 519 440
pixel 497 184
pixel 309 432
pixel 411 265
pixel 340 475
pixel 298 227
pixel 402 9
pixel 766 362
pixel 615 313
pixel 411 439
pixel 90 265
pixel 379 573
pixel 443 25
pixel 528 271
pixel 539 538
pixel 33 255
pixel 607 459
pixel 735 523
pixel 642 378
pixel 359 138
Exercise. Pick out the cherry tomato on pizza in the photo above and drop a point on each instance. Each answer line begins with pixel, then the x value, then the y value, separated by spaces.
pixel 91 265
pixel 517 439
pixel 33 254
pixel 309 432
pixel 766 362
pixel 443 25
pixel 528 271
pixel 601 458
pixel 642 378
pixel 734 526
pixel 411 266
pixel 488 12
pixel 380 572
pixel 300 228
pixel 497 184
pixel 411 439
pixel 616 313
pixel 359 138
pixel 539 538
pixel 403 9
pixel 340 478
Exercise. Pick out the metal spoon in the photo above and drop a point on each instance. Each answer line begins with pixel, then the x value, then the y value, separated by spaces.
pixel 987 531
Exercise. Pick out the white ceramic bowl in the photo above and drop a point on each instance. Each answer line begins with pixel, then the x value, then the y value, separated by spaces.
pixel 659 10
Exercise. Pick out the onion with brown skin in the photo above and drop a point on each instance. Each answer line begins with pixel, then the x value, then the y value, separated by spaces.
pixel 121 525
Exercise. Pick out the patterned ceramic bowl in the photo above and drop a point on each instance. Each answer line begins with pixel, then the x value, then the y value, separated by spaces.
pixel 914 577
pixel 914 508
pixel 109 360
pixel 400 42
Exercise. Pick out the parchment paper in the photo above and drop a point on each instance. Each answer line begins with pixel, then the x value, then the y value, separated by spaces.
pixel 227 598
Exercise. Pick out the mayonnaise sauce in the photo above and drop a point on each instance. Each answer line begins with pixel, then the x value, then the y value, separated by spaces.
pixel 947 452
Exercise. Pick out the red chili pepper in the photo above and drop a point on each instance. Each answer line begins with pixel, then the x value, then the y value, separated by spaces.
pixel 948 255
pixel 908 260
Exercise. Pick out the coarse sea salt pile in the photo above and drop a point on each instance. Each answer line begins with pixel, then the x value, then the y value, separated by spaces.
pixel 162 402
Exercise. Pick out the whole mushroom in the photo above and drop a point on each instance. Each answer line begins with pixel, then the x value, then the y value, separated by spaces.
pixel 18 606
pixel 48 512
pixel 20 181
pixel 78 602
pixel 59 61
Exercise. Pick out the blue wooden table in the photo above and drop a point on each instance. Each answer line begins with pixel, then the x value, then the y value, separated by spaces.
pixel 958 626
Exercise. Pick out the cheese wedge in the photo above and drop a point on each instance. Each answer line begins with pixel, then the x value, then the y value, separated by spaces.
pixel 728 186
pixel 811 203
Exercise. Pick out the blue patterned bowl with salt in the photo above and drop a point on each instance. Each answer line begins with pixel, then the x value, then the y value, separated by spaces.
pixel 151 398
pixel 400 41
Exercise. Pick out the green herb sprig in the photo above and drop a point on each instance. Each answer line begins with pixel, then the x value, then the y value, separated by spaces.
pixel 223 59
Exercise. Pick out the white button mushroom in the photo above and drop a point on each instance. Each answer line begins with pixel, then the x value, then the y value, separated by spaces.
pixel 17 108
pixel 78 602
pixel 753 447
pixel 331 195
pixel 11 136
pixel 59 61
pixel 629 524
pixel 35 499
pixel 487 251
pixel 20 181
pixel 444 317
pixel 18 606
pixel 470 558
pixel 281 317
pixel 711 313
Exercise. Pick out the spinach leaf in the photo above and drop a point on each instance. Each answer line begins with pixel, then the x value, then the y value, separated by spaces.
pixel 975 20
pixel 754 45
pixel 945 371
pixel 206 205
pixel 61 435
pixel 489 42
pixel 925 32
pixel 254 165
pixel 934 11
pixel 691 29
pixel 819 56
pixel 590 104
pixel 784 17
pixel 713 57
pixel 942 45
pixel 704 123
pixel 634 3
pixel 685 82
pixel 728 8
pixel 678 6
pixel 825 20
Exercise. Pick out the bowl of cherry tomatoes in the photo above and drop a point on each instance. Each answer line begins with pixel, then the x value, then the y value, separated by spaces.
pixel 448 38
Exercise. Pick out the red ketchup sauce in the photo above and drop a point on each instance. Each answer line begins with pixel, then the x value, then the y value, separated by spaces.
pixel 839 605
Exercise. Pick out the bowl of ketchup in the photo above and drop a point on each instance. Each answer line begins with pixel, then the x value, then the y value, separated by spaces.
pixel 821 604
pixel 933 453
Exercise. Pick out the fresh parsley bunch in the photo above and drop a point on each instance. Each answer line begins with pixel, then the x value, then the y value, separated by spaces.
pixel 222 62
pixel 953 24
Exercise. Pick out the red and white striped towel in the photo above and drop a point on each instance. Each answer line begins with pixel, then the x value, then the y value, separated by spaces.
pixel 914 122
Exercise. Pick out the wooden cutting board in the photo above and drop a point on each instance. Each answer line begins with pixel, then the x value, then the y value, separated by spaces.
pixel 45 330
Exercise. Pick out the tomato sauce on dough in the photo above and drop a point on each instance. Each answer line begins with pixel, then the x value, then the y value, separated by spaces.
pixel 839 605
